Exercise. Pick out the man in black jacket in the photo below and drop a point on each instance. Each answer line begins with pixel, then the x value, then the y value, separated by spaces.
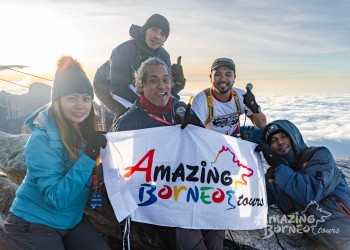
pixel 114 80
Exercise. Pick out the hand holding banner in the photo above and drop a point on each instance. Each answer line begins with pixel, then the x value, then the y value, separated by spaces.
pixel 192 178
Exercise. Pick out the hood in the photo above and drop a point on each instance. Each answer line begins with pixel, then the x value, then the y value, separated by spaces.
pixel 136 32
pixel 138 35
pixel 41 119
pixel 37 119
pixel 292 131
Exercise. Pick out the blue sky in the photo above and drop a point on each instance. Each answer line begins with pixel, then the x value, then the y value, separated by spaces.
pixel 294 46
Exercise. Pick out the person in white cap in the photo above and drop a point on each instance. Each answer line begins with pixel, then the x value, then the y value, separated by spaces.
pixel 220 106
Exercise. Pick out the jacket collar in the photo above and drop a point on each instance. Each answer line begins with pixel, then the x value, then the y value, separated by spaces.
pixel 42 119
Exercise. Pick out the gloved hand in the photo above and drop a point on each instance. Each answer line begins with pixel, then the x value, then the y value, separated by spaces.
pixel 249 101
pixel 190 118
pixel 94 142
pixel 179 114
pixel 271 158
pixel 177 71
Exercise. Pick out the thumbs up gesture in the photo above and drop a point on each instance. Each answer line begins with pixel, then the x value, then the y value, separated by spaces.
pixel 191 118
pixel 177 71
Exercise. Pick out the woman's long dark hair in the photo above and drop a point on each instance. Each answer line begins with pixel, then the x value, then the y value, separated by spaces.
pixel 70 137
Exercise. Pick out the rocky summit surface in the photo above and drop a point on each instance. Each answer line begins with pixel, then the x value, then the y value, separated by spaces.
pixel 14 109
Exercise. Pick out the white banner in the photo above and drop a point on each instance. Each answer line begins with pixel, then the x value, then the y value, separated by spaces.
pixel 191 178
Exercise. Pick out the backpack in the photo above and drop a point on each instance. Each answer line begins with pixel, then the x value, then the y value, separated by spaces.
pixel 210 103
pixel 305 157
pixel 303 162
pixel 249 133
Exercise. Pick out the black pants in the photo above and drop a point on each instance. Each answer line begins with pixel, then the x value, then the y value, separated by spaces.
pixel 197 239
pixel 20 234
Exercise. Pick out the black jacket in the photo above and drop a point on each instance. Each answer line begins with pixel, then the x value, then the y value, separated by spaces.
pixel 138 118
pixel 127 58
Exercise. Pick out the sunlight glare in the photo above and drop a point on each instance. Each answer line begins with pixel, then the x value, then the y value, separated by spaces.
pixel 36 35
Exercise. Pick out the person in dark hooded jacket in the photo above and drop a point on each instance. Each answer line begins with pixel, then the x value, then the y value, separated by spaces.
pixel 101 85
pixel 114 80
pixel 315 190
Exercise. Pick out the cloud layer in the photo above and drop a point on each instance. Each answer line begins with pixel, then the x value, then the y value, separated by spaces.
pixel 323 119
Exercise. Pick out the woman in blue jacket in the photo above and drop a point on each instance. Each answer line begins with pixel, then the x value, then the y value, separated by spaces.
pixel 312 186
pixel 47 212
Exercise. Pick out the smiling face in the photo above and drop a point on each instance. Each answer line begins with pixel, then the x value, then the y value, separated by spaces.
pixel 281 143
pixel 76 107
pixel 222 79
pixel 157 86
pixel 154 38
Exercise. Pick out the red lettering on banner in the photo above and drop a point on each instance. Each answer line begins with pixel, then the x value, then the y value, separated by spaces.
pixel 138 167
pixel 165 193
pixel 218 196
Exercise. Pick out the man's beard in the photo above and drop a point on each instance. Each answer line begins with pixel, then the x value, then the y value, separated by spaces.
pixel 223 91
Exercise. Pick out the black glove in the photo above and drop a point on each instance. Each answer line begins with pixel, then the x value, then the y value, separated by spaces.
pixel 94 142
pixel 191 118
pixel 249 101
pixel 179 114
pixel 177 71
pixel 271 158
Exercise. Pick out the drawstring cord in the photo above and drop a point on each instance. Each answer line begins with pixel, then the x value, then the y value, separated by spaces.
pixel 126 235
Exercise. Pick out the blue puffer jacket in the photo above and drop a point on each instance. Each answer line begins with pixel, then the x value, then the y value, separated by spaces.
pixel 55 189
pixel 127 58
pixel 317 190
